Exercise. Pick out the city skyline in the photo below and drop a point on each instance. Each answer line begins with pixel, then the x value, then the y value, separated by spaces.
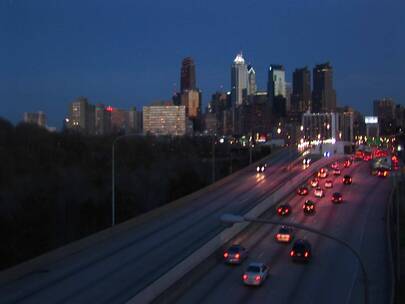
pixel 44 70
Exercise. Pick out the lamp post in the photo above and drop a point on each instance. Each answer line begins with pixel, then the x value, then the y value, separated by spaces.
pixel 231 219
pixel 113 175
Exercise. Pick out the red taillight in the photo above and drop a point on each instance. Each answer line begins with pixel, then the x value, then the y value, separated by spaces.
pixel 292 253
pixel 257 278
pixel 340 198
pixel 245 277
pixel 278 236
pixel 279 210
pixel 226 255
pixel 237 256
pixel 287 210
pixel 306 254
pixel 288 237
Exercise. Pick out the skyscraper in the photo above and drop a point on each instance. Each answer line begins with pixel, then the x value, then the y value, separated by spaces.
pixel 187 76
pixel 323 94
pixel 301 94
pixel 239 80
pixel 252 88
pixel 276 90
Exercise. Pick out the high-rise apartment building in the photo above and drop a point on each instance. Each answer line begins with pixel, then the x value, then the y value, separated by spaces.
pixel 301 91
pixel 187 75
pixel 81 116
pixel 323 94
pixel 239 81
pixel 165 120
pixel 36 118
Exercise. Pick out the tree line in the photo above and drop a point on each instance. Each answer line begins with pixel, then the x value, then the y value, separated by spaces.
pixel 55 187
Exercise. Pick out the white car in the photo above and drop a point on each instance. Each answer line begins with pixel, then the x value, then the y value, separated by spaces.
pixel 255 274
pixel 319 192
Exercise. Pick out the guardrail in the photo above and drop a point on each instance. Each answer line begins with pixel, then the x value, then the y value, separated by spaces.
pixel 210 247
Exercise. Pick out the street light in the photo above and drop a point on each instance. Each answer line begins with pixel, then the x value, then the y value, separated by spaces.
pixel 230 219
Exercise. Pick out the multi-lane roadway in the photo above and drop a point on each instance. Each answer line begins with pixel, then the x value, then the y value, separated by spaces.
pixel 333 275
pixel 114 270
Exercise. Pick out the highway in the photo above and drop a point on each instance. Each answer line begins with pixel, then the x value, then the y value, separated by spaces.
pixel 115 270
pixel 333 275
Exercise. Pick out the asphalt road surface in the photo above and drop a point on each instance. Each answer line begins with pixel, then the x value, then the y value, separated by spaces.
pixel 115 270
pixel 333 275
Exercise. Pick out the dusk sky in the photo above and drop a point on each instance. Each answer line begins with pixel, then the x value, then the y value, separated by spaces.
pixel 127 53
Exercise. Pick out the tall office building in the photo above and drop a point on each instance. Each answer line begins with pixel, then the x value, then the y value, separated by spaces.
pixel 135 120
pixel 276 82
pixel 276 90
pixel 323 94
pixel 36 118
pixel 301 92
pixel 384 109
pixel 102 119
pixel 239 81
pixel 187 76
pixel 191 99
pixel 81 116
pixel 252 87
pixel 165 120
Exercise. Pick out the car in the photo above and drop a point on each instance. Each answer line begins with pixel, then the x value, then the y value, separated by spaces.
pixel 255 274
pixel 235 254
pixel 284 234
pixel 382 172
pixel 323 173
pixel 328 183
pixel 303 190
pixel 301 251
pixel 347 163
pixel 314 182
pixel 318 192
pixel 336 172
pixel 334 165
pixel 308 207
pixel 337 198
pixel 261 168
pixel 347 180
pixel 284 210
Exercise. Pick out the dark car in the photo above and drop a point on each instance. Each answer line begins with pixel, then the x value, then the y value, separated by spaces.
pixel 284 234
pixel 347 180
pixel 284 210
pixel 235 254
pixel 261 168
pixel 301 251
pixel 308 207
pixel 303 190
pixel 337 198
pixel 382 172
